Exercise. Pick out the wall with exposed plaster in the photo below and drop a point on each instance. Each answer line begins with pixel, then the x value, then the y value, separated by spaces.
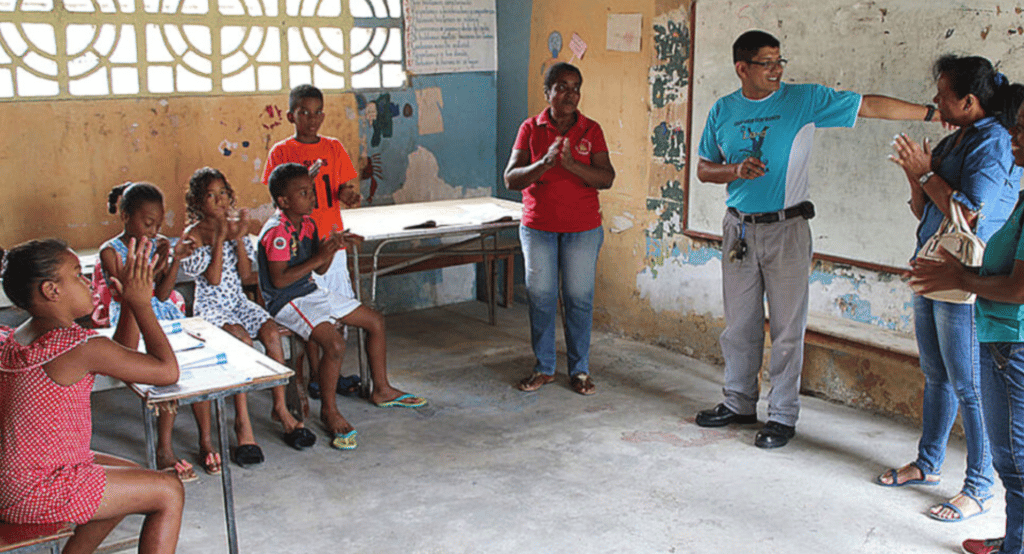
pixel 439 138
pixel 658 285
pixel 62 158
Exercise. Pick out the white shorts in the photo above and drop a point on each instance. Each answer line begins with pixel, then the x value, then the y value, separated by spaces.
pixel 304 313
pixel 337 278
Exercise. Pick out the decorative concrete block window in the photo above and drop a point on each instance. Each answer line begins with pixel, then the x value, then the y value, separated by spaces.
pixel 114 48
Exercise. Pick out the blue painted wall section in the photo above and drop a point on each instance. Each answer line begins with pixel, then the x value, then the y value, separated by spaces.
pixel 879 299
pixel 465 154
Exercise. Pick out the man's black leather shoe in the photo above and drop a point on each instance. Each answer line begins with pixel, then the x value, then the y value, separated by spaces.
pixel 720 416
pixel 774 435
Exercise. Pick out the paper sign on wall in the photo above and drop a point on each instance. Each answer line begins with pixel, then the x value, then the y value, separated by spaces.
pixel 624 32
pixel 450 36
pixel 577 46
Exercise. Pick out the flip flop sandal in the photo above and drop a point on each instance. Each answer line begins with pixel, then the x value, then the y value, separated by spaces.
pixel 344 441
pixel 247 455
pixel 894 475
pixel 184 470
pixel 401 402
pixel 300 438
pixel 348 385
pixel 210 467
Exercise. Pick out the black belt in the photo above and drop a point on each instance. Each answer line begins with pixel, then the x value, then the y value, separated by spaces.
pixel 803 209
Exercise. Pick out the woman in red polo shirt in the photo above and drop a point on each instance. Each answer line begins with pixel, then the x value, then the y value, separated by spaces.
pixel 559 162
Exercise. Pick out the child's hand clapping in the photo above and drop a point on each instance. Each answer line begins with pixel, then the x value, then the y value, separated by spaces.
pixel 237 224
pixel 163 250
pixel 184 248
pixel 352 238
pixel 134 284
pixel 334 242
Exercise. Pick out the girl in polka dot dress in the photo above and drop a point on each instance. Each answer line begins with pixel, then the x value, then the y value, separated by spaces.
pixel 47 369
pixel 141 206
pixel 220 264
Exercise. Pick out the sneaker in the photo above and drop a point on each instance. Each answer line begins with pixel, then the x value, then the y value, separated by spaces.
pixel 982 546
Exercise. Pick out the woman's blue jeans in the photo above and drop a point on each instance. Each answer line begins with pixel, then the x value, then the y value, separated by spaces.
pixel 1002 380
pixel 573 257
pixel 948 349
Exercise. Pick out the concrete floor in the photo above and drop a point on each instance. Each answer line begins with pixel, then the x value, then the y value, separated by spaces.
pixel 488 469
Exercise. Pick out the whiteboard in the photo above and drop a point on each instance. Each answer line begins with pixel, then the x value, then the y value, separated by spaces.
pixel 868 47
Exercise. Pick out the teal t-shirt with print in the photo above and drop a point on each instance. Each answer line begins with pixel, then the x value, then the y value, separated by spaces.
pixel 1000 321
pixel 778 130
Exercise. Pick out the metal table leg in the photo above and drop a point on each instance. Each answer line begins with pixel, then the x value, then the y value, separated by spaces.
pixel 148 413
pixel 225 475
pixel 364 374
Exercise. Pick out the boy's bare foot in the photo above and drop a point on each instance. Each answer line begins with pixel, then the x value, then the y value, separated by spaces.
pixel 335 423
pixel 286 419
pixel 391 397
pixel 244 434
pixel 167 462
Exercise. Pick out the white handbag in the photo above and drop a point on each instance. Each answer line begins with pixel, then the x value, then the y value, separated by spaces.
pixel 955 236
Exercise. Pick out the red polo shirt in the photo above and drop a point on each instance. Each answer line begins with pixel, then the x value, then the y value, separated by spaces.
pixel 560 202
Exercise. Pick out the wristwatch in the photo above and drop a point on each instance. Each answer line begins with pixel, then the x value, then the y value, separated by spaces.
pixel 924 178
pixel 931 112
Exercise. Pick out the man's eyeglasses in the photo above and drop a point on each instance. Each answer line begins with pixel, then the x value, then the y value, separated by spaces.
pixel 780 63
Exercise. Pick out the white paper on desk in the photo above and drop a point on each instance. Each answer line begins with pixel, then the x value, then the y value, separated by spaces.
pixel 180 342
pixel 195 379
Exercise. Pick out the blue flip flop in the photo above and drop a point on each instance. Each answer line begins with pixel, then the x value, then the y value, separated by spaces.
pixel 344 441
pixel 397 402
pixel 348 385
pixel 894 473
pixel 959 513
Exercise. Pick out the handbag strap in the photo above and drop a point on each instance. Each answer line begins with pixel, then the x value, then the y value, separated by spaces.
pixel 956 213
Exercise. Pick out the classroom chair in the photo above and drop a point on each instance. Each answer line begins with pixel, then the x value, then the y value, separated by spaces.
pixel 22 539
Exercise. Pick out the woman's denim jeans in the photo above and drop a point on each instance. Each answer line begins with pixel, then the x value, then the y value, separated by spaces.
pixel 1002 380
pixel 573 256
pixel 948 349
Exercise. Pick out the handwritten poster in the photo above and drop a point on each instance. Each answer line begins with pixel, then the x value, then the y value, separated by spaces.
pixel 450 36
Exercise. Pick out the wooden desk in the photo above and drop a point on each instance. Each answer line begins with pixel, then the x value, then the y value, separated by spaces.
pixel 246 369
pixel 457 223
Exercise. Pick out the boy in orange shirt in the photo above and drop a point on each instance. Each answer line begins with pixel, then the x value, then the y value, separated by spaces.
pixel 335 181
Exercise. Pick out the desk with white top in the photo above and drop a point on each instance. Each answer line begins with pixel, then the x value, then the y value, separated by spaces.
pixel 456 223
pixel 200 346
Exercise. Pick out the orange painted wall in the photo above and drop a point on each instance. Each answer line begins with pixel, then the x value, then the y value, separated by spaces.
pixel 60 159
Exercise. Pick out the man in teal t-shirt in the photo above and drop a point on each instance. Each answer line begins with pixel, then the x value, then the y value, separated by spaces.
pixel 757 142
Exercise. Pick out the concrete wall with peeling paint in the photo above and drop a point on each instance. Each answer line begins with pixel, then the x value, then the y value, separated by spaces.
pixel 657 284
pixel 62 158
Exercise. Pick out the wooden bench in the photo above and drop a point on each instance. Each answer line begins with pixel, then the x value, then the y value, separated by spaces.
pixel 848 335
pixel 22 539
